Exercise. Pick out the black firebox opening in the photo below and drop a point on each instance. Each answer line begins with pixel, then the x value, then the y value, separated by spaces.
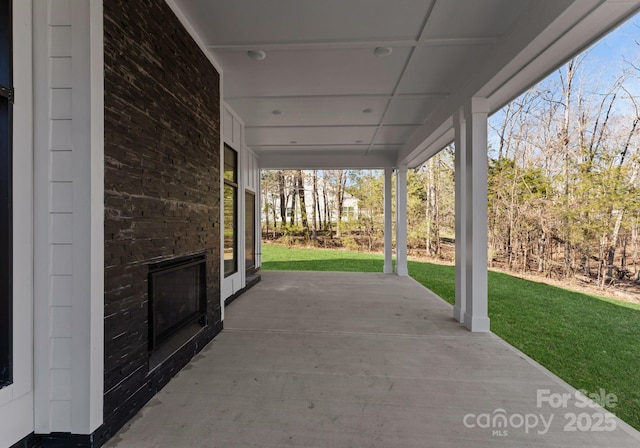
pixel 177 296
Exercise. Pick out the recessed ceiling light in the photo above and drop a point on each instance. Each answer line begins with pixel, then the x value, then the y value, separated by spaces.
pixel 293 142
pixel 368 110
pixel 257 55
pixel 277 112
pixel 382 51
pixel 358 141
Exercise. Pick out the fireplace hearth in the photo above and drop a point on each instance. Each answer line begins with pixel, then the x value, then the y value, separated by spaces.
pixel 177 296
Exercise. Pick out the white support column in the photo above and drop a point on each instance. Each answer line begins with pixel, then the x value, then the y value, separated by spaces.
pixel 87 377
pixel 401 222
pixel 475 315
pixel 388 223
pixel 460 215
pixel 69 216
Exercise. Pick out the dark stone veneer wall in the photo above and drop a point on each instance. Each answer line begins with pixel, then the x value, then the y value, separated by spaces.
pixel 162 188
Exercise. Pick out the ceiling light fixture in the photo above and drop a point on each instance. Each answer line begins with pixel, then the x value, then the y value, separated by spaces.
pixel 358 141
pixel 368 110
pixel 277 112
pixel 293 142
pixel 256 55
pixel 382 51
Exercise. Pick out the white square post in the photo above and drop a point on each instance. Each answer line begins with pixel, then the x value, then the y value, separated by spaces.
pixel 460 215
pixel 388 223
pixel 476 113
pixel 68 194
pixel 401 222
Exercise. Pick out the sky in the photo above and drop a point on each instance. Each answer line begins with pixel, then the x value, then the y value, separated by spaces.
pixel 613 53
pixel 622 42
pixel 604 62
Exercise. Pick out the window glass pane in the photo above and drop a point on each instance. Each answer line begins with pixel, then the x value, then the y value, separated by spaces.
pixel 230 233
pixel 230 159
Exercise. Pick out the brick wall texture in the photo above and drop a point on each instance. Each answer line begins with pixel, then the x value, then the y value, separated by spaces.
pixel 162 187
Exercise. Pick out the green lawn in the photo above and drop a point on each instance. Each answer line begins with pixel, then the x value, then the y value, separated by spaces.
pixel 591 342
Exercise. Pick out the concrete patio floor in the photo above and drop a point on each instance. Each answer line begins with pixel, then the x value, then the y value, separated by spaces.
pixel 311 359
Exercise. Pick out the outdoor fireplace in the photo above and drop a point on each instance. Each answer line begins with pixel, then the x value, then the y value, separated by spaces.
pixel 177 296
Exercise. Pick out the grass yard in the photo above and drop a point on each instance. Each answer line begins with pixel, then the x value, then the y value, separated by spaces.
pixel 590 342
pixel 283 258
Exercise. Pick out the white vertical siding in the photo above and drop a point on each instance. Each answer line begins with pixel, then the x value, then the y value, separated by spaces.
pixel 252 174
pixel 54 213
pixel 69 208
pixel 248 180
pixel 233 135
pixel 251 170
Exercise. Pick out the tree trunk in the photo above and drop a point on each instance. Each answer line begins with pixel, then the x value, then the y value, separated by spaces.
pixel 283 200
pixel 340 187
pixel 432 211
pixel 327 215
pixel 623 259
pixel 635 251
pixel 292 220
pixel 611 251
pixel 273 210
pixel 303 204
pixel 427 209
pixel 602 274
pixel 564 140
pixel 541 248
pixel 315 204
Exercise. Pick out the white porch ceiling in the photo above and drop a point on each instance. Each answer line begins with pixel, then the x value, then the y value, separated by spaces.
pixel 321 98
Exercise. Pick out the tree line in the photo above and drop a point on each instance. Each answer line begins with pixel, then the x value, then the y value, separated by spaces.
pixel 563 177
pixel 286 208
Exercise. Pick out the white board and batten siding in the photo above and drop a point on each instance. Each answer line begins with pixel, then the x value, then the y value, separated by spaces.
pixel 68 215
pixel 251 169
pixel 248 180
pixel 57 220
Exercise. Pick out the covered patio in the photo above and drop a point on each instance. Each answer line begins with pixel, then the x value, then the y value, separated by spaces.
pixel 311 359
pixel 136 132
pixel 379 85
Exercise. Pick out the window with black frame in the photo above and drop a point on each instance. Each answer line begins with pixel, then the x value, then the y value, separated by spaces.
pixel 6 250
pixel 230 211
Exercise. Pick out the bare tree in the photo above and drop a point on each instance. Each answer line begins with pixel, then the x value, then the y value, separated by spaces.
pixel 314 195
pixel 303 205
pixel 283 199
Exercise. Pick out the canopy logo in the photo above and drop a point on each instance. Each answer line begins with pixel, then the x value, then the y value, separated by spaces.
pixel 500 422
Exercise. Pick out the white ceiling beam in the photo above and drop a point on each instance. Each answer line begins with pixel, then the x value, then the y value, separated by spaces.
pixel 311 97
pixel 315 45
pixel 334 45
pixel 346 96
pixel 442 138
pixel 328 159
pixel 453 41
